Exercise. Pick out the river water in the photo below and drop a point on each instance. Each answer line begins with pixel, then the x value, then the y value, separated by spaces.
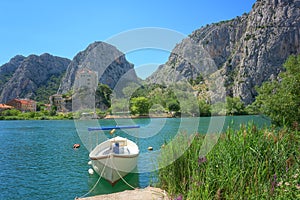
pixel 38 162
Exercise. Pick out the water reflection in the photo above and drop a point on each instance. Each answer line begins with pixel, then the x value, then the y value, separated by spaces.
pixel 104 187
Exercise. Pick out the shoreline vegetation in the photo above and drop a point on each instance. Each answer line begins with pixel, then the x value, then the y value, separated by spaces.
pixel 17 115
pixel 72 116
pixel 247 163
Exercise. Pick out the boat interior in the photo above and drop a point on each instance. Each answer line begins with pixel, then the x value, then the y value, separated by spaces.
pixel 116 147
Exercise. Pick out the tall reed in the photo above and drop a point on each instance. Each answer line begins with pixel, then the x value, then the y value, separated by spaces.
pixel 247 163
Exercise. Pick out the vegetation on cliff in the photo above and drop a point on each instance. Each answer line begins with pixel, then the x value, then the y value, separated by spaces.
pixel 280 99
pixel 33 77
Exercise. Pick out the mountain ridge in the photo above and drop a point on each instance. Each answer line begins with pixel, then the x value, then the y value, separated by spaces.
pixel 31 73
pixel 103 58
pixel 247 50
pixel 32 76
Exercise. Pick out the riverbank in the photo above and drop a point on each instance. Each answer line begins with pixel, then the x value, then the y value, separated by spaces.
pixel 163 115
pixel 148 193
pixel 71 116
pixel 247 163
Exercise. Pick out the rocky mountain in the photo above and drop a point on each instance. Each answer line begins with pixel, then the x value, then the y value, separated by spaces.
pixel 106 60
pixel 31 77
pixel 39 77
pixel 7 70
pixel 245 51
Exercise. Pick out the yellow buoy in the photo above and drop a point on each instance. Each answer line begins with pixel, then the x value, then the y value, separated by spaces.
pixel 112 131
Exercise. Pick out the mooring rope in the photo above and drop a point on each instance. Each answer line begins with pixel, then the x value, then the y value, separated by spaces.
pixel 120 175
pixel 94 184
pixel 110 157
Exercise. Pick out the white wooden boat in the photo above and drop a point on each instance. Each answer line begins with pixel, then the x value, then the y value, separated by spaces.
pixel 114 158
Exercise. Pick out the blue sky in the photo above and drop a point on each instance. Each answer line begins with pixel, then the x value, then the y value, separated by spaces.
pixel 65 27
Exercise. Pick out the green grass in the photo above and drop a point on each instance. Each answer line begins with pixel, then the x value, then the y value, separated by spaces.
pixel 248 163
pixel 36 116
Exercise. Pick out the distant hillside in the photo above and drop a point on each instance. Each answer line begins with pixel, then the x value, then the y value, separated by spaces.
pixel 34 77
pixel 7 70
pixel 105 59
pixel 246 50
pixel 39 77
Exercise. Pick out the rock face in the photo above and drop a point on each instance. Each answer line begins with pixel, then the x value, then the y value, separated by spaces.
pixel 29 74
pixel 246 50
pixel 31 77
pixel 7 70
pixel 105 59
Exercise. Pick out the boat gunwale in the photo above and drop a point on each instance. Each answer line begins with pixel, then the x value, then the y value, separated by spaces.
pixel 113 155
pixel 113 140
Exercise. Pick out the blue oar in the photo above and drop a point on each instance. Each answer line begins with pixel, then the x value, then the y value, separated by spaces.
pixel 104 128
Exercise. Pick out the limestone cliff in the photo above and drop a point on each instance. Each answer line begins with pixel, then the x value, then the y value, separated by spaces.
pixel 32 76
pixel 106 60
pixel 246 50
pixel 7 70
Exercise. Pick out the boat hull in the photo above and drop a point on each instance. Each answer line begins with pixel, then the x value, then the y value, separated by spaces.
pixel 114 165
pixel 113 169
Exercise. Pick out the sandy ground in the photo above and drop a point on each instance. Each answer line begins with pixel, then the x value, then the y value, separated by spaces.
pixel 149 193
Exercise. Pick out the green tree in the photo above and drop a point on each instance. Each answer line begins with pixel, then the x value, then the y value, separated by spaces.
pixel 157 96
pixel 140 105
pixel 53 111
pixel 119 105
pixel 12 112
pixel 280 100
pixel 173 106
pixel 218 108
pixel 157 108
pixel 234 106
pixel 103 93
pixel 129 90
pixel 204 108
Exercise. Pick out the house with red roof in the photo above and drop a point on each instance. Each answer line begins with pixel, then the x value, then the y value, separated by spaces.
pixel 23 105
pixel 5 107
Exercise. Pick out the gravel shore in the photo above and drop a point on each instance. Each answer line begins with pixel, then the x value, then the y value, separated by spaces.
pixel 149 193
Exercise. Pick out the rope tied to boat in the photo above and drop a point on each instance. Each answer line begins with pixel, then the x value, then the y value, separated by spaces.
pixel 95 183
pixel 120 174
